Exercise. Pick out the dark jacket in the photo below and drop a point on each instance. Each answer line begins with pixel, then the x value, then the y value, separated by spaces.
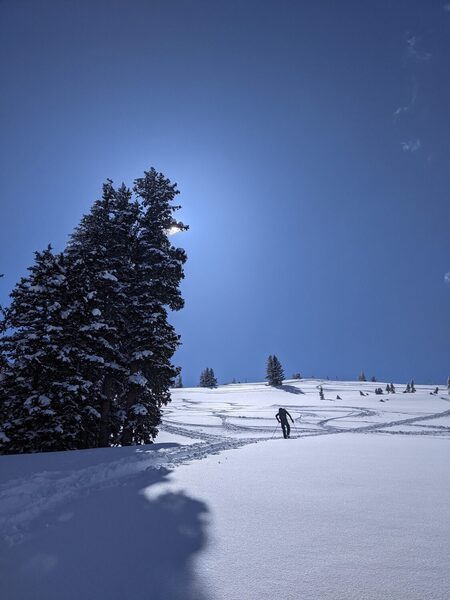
pixel 282 416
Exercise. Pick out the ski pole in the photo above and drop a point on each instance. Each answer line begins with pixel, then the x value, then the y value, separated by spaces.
pixel 274 432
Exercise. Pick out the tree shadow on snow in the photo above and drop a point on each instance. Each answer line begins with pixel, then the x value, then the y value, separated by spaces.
pixel 117 543
pixel 290 388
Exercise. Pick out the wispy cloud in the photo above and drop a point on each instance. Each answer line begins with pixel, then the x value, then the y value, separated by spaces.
pixel 414 51
pixel 409 107
pixel 447 275
pixel 411 145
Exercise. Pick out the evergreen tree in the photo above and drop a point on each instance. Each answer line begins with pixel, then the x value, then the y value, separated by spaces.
pixel 296 376
pixel 44 398
pixel 448 385
pixel 373 379
pixel 100 266
pixel 412 387
pixel 274 371
pixel 154 288
pixel 86 346
pixel 269 370
pixel 178 381
pixel 212 379
pixel 208 378
pixel 362 377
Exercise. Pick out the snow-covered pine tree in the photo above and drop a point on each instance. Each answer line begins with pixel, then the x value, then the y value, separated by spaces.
pixel 208 378
pixel 296 376
pixel 274 371
pixel 212 379
pixel 154 288
pixel 362 376
pixel 412 386
pixel 373 379
pixel 99 256
pixel 42 395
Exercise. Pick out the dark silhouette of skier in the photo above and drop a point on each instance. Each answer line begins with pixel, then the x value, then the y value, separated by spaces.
pixel 281 417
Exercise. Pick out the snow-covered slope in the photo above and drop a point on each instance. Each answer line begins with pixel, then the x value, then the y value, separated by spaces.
pixel 355 506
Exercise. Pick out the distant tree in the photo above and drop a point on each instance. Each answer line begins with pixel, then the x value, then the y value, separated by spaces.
pixel 412 387
pixel 388 388
pixel 207 378
pixel 296 376
pixel 233 380
pixel 203 379
pixel 178 383
pixel 212 379
pixel 392 388
pixel 448 385
pixel 274 371
pixel 362 377
pixel 373 379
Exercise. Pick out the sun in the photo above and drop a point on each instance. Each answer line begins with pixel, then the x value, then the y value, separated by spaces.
pixel 173 230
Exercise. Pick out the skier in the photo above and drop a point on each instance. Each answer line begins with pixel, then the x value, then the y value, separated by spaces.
pixel 281 417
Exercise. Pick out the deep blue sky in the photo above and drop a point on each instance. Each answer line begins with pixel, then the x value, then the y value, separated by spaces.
pixel 310 140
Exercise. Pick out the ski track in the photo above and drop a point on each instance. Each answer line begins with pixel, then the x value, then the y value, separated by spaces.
pixel 23 500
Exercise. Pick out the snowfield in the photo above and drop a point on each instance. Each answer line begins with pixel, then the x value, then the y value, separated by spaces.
pixel 356 505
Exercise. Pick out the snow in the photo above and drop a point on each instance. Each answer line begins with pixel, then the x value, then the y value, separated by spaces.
pixel 142 354
pixel 44 400
pixel 3 437
pixel 108 276
pixel 94 358
pixel 354 506
pixel 138 379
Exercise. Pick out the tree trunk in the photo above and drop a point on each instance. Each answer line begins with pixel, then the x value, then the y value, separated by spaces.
pixel 105 415
pixel 127 435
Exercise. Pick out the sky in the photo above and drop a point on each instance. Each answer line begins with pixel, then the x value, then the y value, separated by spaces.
pixel 310 143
